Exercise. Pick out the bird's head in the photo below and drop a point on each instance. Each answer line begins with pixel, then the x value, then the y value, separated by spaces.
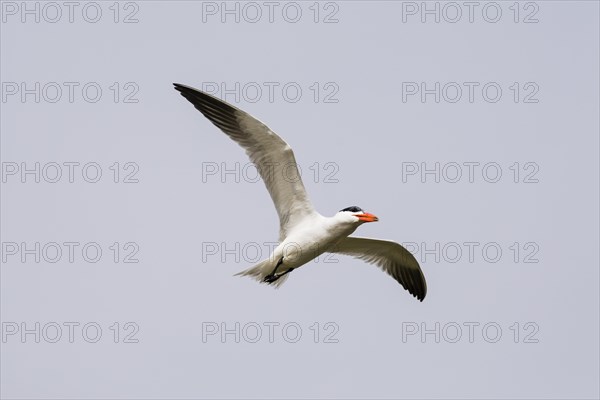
pixel 356 215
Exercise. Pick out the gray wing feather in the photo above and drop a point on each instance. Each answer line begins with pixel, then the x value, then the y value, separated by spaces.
pixel 272 156
pixel 391 257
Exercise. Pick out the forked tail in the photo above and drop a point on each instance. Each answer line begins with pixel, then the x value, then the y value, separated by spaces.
pixel 260 272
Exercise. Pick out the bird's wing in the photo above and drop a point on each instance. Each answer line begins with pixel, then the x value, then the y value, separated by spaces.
pixel 272 156
pixel 391 257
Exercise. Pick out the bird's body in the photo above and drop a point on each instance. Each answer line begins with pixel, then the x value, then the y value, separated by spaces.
pixel 312 237
pixel 304 234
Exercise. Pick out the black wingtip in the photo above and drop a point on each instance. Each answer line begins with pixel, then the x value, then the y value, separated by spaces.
pixel 197 97
pixel 421 296
pixel 182 88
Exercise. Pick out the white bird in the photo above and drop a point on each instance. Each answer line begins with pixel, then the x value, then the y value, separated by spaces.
pixel 304 234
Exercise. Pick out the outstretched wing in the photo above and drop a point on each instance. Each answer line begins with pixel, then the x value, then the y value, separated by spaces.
pixel 390 257
pixel 272 156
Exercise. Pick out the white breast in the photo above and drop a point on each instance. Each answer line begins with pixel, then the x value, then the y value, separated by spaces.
pixel 310 239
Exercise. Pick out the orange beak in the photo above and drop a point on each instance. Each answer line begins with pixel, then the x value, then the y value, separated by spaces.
pixel 366 217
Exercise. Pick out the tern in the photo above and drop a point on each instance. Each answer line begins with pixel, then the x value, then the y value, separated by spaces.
pixel 304 234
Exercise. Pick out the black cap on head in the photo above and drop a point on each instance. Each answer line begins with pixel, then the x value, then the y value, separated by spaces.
pixel 352 209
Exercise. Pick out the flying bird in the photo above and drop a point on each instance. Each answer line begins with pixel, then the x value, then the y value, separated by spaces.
pixel 304 234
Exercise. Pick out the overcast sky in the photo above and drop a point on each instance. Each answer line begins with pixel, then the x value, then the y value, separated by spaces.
pixel 471 131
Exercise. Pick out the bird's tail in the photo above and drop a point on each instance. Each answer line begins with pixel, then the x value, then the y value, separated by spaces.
pixel 261 270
